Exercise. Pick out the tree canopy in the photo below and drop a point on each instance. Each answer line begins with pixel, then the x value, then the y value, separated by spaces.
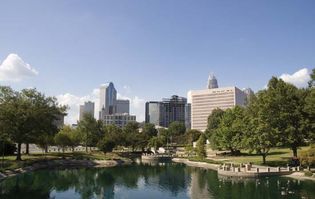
pixel 27 116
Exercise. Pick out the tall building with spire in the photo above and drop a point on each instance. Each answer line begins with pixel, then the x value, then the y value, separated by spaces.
pixel 212 82
pixel 112 110
pixel 108 96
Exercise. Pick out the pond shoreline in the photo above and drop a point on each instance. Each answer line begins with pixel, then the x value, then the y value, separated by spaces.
pixel 291 174
pixel 63 164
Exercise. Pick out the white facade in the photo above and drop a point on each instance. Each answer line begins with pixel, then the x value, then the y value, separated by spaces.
pixel 204 101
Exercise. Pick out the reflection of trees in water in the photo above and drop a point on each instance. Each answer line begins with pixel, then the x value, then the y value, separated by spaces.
pixel 91 183
pixel 173 178
pixel 273 187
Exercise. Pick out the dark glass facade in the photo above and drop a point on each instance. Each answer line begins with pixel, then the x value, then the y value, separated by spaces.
pixel 167 111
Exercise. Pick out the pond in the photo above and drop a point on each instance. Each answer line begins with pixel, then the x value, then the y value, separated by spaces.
pixel 163 180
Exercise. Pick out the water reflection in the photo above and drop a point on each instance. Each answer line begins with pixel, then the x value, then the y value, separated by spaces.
pixel 147 180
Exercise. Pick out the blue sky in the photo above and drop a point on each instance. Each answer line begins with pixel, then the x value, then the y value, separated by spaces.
pixel 152 49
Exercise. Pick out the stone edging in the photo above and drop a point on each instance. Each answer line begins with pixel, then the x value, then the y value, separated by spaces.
pixel 240 174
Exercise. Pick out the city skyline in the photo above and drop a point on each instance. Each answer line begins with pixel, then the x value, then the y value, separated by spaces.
pixel 152 49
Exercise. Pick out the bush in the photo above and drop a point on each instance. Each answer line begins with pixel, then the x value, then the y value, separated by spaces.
pixel 9 148
pixel 308 173
pixel 201 148
pixel 307 158
pixel 106 145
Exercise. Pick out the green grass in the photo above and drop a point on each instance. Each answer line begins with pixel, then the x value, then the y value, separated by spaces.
pixel 10 163
pixel 210 161
pixel 276 157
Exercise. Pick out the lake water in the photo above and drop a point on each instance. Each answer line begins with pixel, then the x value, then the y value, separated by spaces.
pixel 164 180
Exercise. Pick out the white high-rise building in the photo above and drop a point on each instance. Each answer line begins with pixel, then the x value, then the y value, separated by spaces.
pixel 204 101
pixel 87 107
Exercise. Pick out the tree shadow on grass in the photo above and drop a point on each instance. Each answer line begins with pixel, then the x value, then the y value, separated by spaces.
pixel 256 154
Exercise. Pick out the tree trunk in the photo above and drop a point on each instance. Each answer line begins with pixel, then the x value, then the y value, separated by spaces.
pixel 264 158
pixel 27 148
pixel 294 150
pixel 18 154
pixel 46 149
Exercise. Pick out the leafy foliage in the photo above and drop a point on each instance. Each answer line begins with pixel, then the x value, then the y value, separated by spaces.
pixel 27 116
pixel 307 158
pixel 230 132
pixel 200 147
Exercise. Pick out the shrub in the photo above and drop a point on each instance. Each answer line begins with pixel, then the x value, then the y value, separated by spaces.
pixel 307 158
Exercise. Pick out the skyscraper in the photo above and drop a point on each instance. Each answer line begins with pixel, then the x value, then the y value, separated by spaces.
pixel 113 110
pixel 188 116
pixel 108 95
pixel 152 113
pixel 87 107
pixel 167 111
pixel 204 101
pixel 212 82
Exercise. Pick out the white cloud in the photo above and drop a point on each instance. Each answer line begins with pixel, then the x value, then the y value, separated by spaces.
pixel 73 101
pixel 13 68
pixel 299 78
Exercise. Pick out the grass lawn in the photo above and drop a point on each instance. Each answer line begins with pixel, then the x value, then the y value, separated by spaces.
pixel 10 162
pixel 276 157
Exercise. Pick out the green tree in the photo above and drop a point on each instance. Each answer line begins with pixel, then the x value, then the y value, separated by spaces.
pixel 307 158
pixel 177 128
pixel 214 119
pixel 132 135
pixel 176 132
pixel 230 132
pixel 164 135
pixel 309 109
pixel 311 83
pixel 260 136
pixel 62 139
pixel 200 147
pixel 90 130
pixel 27 115
pixel 213 124
pixel 155 142
pixel 114 133
pixel 285 104
pixel 44 141
pixel 192 135
pixel 149 129
pixel 106 145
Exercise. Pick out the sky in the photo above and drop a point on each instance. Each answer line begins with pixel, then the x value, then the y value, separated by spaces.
pixel 152 49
